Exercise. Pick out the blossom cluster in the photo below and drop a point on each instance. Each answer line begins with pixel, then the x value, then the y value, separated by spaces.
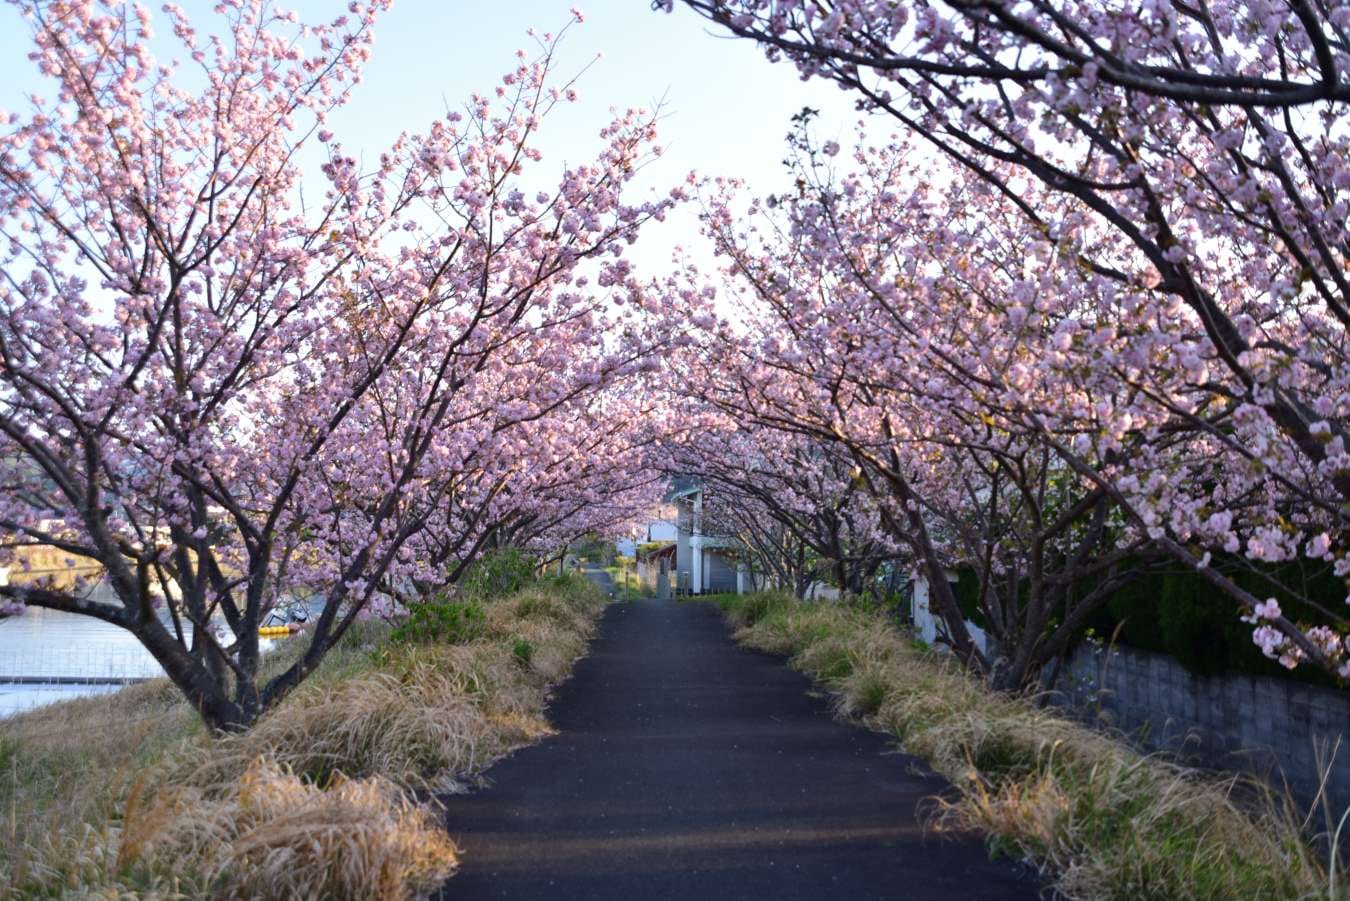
pixel 217 388
pixel 1125 299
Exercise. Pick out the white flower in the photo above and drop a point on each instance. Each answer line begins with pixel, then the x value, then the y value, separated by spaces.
pixel 1267 609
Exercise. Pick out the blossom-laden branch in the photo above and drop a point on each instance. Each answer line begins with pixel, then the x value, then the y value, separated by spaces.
pixel 217 382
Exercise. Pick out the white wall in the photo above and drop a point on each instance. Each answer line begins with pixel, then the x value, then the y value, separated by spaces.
pixel 928 623
pixel 661 531
pixel 819 591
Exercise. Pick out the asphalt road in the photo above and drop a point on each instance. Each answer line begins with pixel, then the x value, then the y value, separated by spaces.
pixel 686 767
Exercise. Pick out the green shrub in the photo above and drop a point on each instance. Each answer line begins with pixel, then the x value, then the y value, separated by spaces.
pixel 440 622
pixel 894 605
pixel 523 651
pixel 501 572
pixel 966 589
pixel 1165 609
pixel 574 589
pixel 1135 605
pixel 532 606
pixel 751 608
pixel 1192 624
pixel 830 661
pixel 872 696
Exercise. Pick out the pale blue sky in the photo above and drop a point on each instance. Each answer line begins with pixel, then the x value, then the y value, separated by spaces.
pixel 728 108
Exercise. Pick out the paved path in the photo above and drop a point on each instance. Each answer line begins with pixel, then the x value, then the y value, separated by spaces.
pixel 596 573
pixel 688 768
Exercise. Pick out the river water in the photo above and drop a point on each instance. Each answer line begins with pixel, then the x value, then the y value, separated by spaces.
pixel 62 645
pixel 55 645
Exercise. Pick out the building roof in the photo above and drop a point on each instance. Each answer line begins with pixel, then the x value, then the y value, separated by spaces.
pixel 653 553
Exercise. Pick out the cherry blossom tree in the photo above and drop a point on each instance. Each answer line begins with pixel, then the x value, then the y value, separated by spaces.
pixel 218 381
pixel 1268 55
pixel 585 468
pixel 794 503
pixel 1190 163
pixel 883 315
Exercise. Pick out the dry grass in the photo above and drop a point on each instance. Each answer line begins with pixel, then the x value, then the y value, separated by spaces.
pixel 124 795
pixel 275 835
pixel 63 769
pixel 1100 819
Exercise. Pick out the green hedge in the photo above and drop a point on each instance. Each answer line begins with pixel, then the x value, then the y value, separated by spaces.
pixel 967 591
pixel 503 571
pixel 1176 612
pixel 438 622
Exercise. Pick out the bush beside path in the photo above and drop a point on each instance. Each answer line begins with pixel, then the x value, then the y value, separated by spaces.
pixel 1101 821
pixel 125 795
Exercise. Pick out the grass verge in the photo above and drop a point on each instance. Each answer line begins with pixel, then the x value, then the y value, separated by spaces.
pixel 627 586
pixel 1102 821
pixel 124 795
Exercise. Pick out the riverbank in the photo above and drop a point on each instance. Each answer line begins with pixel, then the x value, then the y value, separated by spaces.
pixel 1103 822
pixel 125 793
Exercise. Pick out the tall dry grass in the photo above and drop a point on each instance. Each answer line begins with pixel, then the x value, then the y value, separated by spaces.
pixel 125 795
pixel 1101 820
pixel 272 834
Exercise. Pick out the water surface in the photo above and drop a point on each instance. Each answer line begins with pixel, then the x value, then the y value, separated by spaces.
pixel 55 645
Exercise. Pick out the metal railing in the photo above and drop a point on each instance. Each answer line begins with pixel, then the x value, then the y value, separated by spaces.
pixel 87 664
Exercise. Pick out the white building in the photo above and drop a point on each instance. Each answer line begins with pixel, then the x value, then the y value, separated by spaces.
pixel 656 530
pixel 704 563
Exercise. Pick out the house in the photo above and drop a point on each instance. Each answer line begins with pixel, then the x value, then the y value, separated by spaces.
pixel 663 529
pixel 705 561
pixel 655 563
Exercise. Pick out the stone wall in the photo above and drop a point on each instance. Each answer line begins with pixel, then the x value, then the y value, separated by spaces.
pixel 1274 728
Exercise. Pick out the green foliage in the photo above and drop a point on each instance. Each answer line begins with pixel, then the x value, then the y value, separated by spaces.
pixel 747 609
pixel 522 650
pixel 967 591
pixel 537 605
pixel 893 604
pixel 573 588
pixel 9 751
pixel 1134 606
pixel 505 571
pixel 831 662
pixel 871 694
pixel 1192 625
pixel 440 622
pixel 593 547
pixel 1179 613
